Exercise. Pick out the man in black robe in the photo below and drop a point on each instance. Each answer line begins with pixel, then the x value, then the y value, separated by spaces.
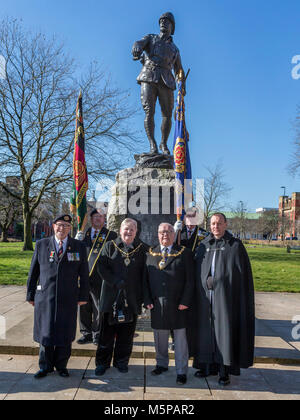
pixel 225 325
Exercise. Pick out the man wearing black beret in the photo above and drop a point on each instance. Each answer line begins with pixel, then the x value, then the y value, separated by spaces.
pixel 58 282
pixel 94 240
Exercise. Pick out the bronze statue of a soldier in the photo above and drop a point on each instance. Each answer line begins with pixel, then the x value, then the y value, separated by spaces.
pixel 159 56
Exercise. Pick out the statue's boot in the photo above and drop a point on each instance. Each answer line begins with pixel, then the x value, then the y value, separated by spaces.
pixel 149 128
pixel 163 147
pixel 165 131
pixel 153 146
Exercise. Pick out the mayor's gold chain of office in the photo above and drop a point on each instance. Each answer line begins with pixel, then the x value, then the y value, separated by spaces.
pixel 160 254
pixel 127 254
pixel 162 263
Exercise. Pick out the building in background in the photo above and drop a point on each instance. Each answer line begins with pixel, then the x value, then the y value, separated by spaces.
pixel 289 215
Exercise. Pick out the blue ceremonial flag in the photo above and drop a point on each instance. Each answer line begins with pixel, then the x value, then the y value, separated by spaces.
pixel 182 163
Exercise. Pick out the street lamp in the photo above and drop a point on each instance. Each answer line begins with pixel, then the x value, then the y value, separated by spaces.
pixel 282 215
pixel 242 220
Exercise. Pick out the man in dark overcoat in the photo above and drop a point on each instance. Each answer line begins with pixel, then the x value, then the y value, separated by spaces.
pixel 168 292
pixel 121 267
pixel 58 282
pixel 94 239
pixel 225 324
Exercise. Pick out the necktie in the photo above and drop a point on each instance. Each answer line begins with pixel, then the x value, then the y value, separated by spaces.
pixel 165 252
pixel 189 234
pixel 95 234
pixel 61 249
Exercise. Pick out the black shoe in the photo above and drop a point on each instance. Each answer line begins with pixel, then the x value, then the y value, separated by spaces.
pixel 85 339
pixel 42 373
pixel 96 341
pixel 122 369
pixel 64 373
pixel 158 370
pixel 181 379
pixel 100 370
pixel 224 380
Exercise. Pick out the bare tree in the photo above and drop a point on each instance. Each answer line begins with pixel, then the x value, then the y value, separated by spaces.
pixel 239 224
pixel 268 224
pixel 37 118
pixel 215 192
pixel 10 211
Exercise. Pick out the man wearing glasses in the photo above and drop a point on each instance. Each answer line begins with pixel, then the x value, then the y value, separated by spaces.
pixel 58 282
pixel 168 292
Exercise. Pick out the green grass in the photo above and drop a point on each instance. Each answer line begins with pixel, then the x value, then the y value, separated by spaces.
pixel 274 270
pixel 14 263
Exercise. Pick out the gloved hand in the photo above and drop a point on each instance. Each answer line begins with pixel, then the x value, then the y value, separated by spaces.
pixel 79 235
pixel 178 226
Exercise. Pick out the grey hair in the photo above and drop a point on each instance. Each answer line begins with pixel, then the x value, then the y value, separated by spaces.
pixel 128 221
pixel 171 226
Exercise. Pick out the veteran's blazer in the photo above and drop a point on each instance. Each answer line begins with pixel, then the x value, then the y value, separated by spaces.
pixel 56 286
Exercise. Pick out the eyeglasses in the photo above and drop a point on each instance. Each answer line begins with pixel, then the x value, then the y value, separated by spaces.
pixel 62 226
pixel 165 232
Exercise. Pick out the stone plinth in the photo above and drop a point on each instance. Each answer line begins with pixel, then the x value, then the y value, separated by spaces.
pixel 146 195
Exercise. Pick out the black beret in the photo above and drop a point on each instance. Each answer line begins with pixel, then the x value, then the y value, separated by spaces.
pixel 64 218
pixel 93 212
pixel 96 211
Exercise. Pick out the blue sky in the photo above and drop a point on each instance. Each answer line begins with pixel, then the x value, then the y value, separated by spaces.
pixel 241 98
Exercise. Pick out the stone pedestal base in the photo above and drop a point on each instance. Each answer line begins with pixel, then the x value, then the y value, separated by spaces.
pixel 146 195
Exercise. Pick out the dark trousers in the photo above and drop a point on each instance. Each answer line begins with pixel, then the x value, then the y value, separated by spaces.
pixel 115 341
pixel 54 357
pixel 89 316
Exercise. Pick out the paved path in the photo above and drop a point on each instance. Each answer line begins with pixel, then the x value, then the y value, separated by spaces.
pixel 276 374
pixel 263 381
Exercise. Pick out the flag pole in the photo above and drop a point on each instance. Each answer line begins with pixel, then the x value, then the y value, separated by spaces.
pixel 78 201
pixel 182 164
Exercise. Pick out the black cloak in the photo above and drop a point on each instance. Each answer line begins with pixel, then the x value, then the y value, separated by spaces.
pixel 224 332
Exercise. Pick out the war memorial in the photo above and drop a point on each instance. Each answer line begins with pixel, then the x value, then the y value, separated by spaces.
pixel 156 190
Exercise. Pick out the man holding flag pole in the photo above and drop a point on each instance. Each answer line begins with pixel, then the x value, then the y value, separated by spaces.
pixel 95 237
pixel 191 234
pixel 182 163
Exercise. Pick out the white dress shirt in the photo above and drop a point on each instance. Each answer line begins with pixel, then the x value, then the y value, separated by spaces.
pixel 93 232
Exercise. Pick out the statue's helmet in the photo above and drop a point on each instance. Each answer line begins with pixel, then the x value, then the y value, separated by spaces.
pixel 171 18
